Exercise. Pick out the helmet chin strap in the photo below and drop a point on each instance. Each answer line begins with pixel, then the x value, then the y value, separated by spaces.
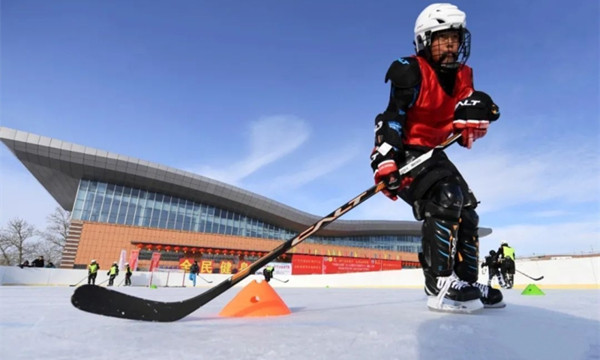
pixel 453 65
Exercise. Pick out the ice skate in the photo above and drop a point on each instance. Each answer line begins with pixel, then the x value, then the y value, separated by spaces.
pixel 501 281
pixel 490 298
pixel 450 294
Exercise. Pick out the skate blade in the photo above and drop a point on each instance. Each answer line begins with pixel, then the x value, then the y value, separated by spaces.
pixel 456 307
pixel 499 305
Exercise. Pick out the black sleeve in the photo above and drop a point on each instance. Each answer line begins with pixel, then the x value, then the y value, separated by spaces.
pixel 404 76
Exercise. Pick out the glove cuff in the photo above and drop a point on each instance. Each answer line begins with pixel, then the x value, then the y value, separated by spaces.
pixel 387 167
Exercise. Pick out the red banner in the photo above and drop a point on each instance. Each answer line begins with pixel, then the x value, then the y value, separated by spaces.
pixel 307 264
pixel 154 261
pixel 206 266
pixel 340 265
pixel 310 264
pixel 133 259
pixel 225 267
pixel 185 264
pixel 391 264
pixel 243 264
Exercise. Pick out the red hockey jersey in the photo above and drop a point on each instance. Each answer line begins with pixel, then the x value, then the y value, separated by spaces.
pixel 429 120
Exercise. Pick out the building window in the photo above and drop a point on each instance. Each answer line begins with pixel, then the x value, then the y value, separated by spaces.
pixel 110 203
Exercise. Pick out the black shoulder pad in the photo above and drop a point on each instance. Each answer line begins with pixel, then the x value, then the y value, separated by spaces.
pixel 404 73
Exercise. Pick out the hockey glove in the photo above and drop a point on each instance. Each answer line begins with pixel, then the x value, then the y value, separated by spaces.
pixel 386 170
pixel 472 117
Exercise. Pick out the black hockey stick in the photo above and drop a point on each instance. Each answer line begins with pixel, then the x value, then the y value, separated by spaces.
pixel 79 282
pixel 103 301
pixel 205 279
pixel 283 281
pixel 532 278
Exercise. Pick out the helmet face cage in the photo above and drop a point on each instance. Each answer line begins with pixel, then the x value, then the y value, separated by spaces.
pixel 464 49
pixel 436 18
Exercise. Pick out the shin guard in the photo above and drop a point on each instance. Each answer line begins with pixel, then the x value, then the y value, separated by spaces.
pixel 440 229
pixel 466 264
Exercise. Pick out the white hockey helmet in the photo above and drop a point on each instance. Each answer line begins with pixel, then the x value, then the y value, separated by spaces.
pixel 93 261
pixel 440 17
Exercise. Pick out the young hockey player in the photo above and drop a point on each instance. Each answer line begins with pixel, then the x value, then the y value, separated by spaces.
pixel 194 271
pixel 431 97
pixel 268 272
pixel 491 261
pixel 112 273
pixel 93 268
pixel 128 273
pixel 506 257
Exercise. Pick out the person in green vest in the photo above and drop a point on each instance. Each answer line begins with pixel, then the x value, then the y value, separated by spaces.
pixel 506 255
pixel 93 268
pixel 112 273
pixel 268 272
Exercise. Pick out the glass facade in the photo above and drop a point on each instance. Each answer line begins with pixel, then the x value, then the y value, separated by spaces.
pixel 116 204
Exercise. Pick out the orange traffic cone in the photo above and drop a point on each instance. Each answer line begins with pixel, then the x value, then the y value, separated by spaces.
pixel 256 299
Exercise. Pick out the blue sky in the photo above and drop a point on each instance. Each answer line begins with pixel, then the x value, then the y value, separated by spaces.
pixel 279 97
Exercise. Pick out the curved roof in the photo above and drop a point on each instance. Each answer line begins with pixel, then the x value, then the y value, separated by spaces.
pixel 59 165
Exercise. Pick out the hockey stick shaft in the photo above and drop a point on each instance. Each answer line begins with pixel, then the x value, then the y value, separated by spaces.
pixel 281 249
pixel 283 281
pixel 79 282
pixel 532 278
pixel 100 300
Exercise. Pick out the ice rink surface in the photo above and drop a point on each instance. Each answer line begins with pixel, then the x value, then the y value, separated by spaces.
pixel 326 323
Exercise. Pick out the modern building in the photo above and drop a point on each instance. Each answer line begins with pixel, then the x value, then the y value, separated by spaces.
pixel 121 203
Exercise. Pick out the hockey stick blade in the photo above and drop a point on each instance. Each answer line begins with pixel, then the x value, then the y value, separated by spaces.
pixel 102 301
pixel 205 279
pixel 532 278
pixel 281 280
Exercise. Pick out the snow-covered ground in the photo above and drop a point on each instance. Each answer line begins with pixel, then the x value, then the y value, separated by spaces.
pixel 325 323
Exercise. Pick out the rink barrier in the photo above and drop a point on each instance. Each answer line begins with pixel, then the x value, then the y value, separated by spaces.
pixel 560 273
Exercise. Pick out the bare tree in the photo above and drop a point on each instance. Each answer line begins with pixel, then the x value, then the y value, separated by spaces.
pixel 55 235
pixel 5 249
pixel 15 241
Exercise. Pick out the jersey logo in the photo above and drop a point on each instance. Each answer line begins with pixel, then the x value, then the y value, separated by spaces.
pixel 468 102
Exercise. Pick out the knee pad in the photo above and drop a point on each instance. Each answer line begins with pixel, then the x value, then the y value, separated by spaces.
pixel 441 212
pixel 467 256
pixel 470 200
pixel 444 199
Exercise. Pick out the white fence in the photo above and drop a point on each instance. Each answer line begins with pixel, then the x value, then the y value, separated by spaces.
pixel 577 273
